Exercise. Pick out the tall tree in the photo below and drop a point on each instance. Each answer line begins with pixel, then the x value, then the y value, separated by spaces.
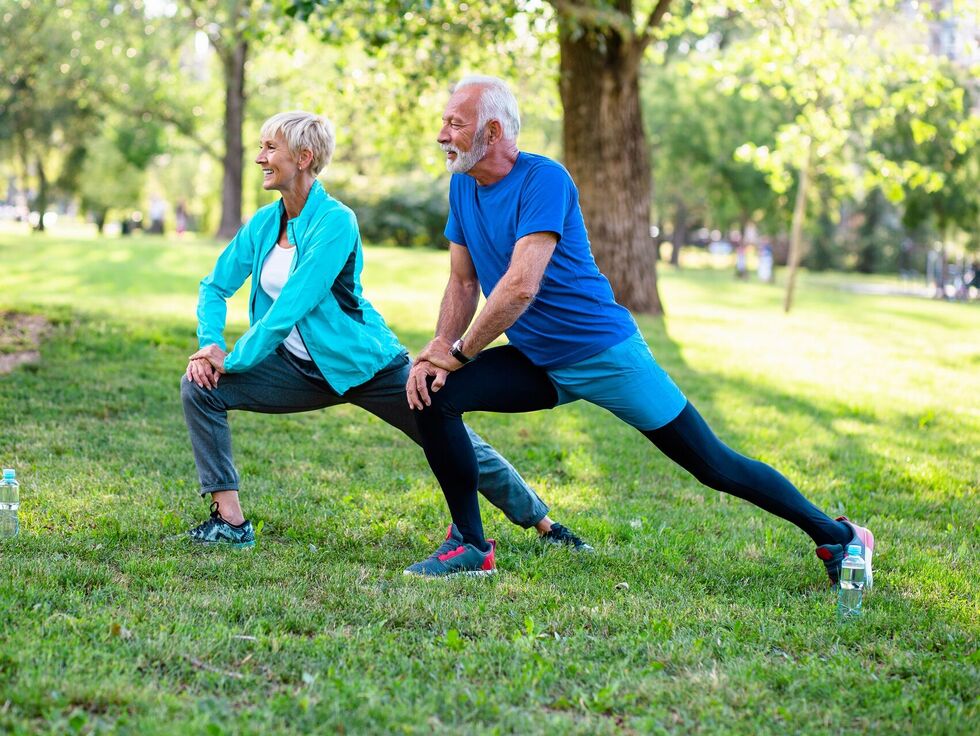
pixel 42 100
pixel 230 25
pixel 602 44
pixel 602 49
pixel 839 62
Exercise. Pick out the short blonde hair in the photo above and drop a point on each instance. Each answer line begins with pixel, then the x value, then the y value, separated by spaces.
pixel 303 130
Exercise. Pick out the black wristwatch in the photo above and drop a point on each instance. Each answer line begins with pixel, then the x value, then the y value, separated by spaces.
pixel 457 352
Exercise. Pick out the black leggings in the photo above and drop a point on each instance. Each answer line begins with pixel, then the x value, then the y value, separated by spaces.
pixel 504 380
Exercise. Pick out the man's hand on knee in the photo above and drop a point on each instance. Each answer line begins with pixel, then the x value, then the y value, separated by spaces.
pixel 417 387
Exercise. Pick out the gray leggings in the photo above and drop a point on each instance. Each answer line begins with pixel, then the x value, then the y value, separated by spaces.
pixel 283 384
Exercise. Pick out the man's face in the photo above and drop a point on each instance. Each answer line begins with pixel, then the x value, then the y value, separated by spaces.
pixel 465 145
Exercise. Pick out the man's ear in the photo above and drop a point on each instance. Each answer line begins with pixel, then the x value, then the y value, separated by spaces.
pixel 495 131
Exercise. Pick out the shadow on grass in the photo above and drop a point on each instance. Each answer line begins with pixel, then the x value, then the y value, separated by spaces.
pixel 855 469
pixel 90 395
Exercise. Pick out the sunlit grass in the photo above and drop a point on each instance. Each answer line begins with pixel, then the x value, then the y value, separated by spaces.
pixel 869 404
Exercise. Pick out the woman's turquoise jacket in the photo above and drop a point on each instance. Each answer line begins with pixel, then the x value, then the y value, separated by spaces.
pixel 344 335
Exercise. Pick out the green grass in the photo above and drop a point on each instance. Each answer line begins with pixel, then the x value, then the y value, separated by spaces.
pixel 109 624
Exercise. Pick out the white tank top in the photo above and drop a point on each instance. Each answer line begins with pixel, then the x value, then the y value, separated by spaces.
pixel 275 271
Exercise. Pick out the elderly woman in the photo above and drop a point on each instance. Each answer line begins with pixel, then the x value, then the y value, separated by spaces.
pixel 314 341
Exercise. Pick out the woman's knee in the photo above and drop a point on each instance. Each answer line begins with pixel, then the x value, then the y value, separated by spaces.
pixel 190 393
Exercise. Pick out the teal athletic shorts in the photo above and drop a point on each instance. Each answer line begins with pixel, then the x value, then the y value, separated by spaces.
pixel 626 380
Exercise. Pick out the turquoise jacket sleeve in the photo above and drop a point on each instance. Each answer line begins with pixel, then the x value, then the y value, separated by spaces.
pixel 233 266
pixel 327 245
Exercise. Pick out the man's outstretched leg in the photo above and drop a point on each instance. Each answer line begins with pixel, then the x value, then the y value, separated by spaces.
pixel 689 442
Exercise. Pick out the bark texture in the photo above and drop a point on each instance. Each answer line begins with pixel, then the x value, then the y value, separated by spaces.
pixel 233 63
pixel 796 232
pixel 679 236
pixel 606 151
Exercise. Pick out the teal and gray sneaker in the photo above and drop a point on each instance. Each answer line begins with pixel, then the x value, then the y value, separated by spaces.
pixel 453 558
pixel 218 532
pixel 565 537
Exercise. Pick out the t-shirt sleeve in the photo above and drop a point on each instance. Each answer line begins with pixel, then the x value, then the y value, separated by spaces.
pixel 544 201
pixel 454 230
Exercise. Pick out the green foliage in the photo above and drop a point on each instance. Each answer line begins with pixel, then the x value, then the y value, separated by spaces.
pixel 694 134
pixel 108 180
pixel 112 625
pixel 409 212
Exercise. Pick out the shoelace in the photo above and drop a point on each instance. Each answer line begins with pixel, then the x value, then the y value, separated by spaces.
pixel 214 519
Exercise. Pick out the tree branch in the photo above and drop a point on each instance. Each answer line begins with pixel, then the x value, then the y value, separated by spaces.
pixel 593 17
pixel 182 126
pixel 656 15
pixel 200 23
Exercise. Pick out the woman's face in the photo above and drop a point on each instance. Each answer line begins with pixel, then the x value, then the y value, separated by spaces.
pixel 280 170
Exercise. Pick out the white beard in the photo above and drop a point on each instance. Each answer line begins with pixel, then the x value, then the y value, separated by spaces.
pixel 465 161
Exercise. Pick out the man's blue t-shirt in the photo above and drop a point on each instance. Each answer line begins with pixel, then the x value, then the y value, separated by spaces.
pixel 574 315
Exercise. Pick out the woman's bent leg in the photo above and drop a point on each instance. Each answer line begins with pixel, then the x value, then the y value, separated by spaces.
pixel 274 386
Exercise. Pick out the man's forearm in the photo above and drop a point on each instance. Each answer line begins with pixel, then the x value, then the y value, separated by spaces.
pixel 457 309
pixel 508 301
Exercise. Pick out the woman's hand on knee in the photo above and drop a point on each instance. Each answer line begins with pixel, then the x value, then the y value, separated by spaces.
pixel 202 373
pixel 213 355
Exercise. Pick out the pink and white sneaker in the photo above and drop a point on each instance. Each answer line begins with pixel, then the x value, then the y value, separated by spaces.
pixel 833 554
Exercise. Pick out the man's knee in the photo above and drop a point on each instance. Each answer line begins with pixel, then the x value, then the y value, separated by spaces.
pixel 443 402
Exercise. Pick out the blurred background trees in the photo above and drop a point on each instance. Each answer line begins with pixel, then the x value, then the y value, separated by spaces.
pixel 839 134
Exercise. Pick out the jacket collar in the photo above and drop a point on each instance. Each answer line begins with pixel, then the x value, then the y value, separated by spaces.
pixel 297 227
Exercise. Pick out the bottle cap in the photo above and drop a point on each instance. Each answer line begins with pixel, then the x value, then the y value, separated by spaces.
pixel 854 550
pixel 9 474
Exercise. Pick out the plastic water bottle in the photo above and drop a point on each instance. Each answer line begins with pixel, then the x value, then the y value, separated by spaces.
pixel 9 503
pixel 851 583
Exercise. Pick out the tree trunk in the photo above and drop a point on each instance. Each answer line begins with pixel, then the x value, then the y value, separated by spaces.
pixel 679 236
pixel 231 190
pixel 41 201
pixel 796 233
pixel 606 154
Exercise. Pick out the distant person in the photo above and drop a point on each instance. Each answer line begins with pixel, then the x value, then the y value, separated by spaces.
pixel 764 268
pixel 180 218
pixel 973 280
pixel 516 231
pixel 157 211
pixel 741 261
pixel 314 340
pixel 936 270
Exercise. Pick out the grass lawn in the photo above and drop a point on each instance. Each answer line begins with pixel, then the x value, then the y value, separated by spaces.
pixel 111 623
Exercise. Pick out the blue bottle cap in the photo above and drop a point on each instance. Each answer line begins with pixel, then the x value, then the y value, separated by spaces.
pixel 854 550
pixel 9 474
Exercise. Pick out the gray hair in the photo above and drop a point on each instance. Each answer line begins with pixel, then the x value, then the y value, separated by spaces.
pixel 303 130
pixel 496 103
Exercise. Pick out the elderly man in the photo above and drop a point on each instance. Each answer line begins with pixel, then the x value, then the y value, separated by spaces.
pixel 516 230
